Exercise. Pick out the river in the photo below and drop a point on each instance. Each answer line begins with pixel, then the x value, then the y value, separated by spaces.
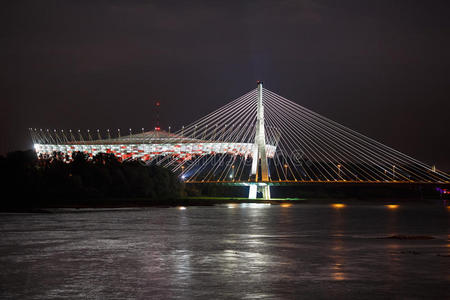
pixel 234 251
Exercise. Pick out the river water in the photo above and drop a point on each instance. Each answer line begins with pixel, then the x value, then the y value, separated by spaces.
pixel 246 251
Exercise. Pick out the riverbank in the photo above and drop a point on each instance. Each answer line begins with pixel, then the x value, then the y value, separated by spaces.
pixel 113 203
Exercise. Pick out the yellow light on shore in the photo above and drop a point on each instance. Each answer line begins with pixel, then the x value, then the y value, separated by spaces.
pixel 392 206
pixel 285 204
pixel 338 205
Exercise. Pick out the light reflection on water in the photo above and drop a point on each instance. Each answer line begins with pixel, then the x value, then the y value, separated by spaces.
pixel 255 205
pixel 337 269
pixel 250 251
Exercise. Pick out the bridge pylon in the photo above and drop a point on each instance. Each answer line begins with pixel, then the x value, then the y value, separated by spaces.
pixel 259 154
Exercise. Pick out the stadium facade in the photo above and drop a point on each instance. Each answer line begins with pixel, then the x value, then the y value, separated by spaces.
pixel 144 146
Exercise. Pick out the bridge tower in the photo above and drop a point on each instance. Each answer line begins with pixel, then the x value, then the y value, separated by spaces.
pixel 259 154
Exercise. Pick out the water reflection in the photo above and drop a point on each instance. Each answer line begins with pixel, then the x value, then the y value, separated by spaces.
pixel 337 253
pixel 182 264
pixel 338 273
pixel 255 205
pixel 391 221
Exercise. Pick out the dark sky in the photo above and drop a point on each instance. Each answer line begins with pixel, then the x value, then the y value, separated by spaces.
pixel 379 67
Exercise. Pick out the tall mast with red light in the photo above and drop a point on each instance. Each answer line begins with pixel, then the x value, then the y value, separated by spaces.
pixel 157 126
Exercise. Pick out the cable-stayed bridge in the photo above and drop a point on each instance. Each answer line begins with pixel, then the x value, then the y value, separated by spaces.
pixel 257 140
pixel 293 144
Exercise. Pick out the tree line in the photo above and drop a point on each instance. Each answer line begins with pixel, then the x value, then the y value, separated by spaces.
pixel 27 179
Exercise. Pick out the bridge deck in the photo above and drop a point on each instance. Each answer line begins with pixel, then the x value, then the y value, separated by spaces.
pixel 308 182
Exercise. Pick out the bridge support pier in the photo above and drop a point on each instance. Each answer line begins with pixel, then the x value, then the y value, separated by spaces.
pixel 253 192
pixel 265 192
pixel 255 188
pixel 259 153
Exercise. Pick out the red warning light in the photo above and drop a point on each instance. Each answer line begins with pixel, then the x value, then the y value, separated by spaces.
pixel 157 104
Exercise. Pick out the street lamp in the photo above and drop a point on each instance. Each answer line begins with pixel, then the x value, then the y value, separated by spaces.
pixel 285 171
pixel 182 175
pixel 393 173
pixel 339 170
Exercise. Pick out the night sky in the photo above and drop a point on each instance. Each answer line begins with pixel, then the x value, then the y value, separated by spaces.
pixel 379 67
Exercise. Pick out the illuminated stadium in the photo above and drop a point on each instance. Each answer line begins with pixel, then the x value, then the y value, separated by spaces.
pixel 143 146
